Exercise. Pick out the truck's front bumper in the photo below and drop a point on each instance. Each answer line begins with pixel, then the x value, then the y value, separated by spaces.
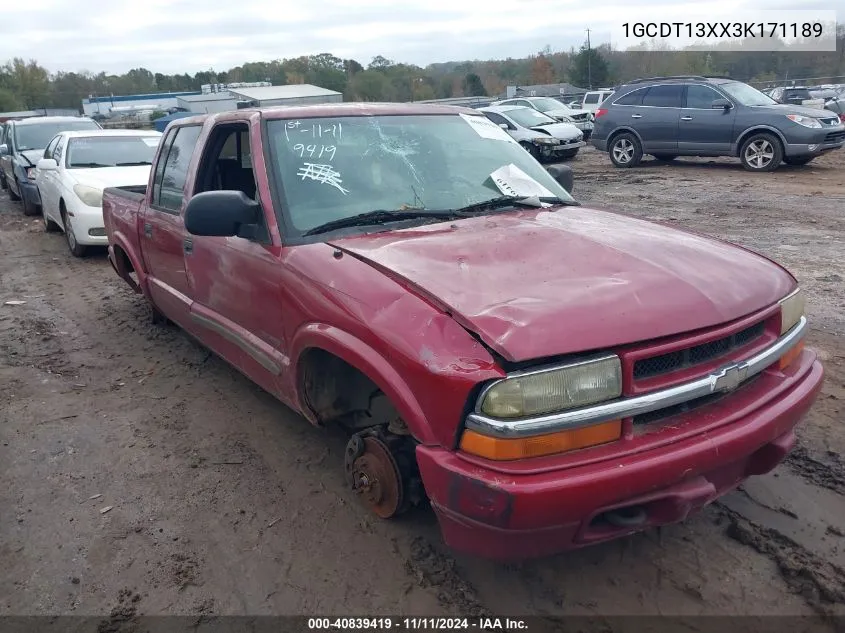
pixel 492 512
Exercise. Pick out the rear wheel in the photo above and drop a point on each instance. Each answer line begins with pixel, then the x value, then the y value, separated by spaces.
pixel 797 160
pixel 76 249
pixel 625 150
pixel 761 152
pixel 665 157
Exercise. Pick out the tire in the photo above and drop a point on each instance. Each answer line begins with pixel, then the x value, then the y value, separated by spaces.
pixel 761 152
pixel 12 195
pixel 531 149
pixel 665 157
pixel 625 150
pixel 29 208
pixel 797 160
pixel 3 184
pixel 76 249
pixel 49 225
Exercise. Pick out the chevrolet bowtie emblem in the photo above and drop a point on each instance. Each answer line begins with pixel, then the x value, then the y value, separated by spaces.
pixel 728 378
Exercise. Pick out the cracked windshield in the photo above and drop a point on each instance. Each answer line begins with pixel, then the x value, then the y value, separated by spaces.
pixel 333 168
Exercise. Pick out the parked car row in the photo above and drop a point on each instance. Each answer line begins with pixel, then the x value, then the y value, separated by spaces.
pixel 59 166
pixel 669 117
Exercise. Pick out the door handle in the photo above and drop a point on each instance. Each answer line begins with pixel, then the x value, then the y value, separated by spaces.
pixel 686 118
pixel 188 245
pixel 636 116
pixel 148 229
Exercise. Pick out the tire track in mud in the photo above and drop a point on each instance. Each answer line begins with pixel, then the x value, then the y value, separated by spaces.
pixel 821 584
pixel 828 474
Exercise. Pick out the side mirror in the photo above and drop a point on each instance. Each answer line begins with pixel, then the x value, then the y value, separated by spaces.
pixel 222 214
pixel 721 104
pixel 563 175
pixel 504 126
pixel 4 150
pixel 47 164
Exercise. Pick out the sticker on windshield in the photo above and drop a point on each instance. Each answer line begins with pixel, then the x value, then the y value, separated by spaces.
pixel 151 141
pixel 486 128
pixel 512 181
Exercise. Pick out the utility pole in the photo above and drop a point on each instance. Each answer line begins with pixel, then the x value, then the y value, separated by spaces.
pixel 589 62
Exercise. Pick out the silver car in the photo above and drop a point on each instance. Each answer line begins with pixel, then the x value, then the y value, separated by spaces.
pixel 541 135
pixel 582 119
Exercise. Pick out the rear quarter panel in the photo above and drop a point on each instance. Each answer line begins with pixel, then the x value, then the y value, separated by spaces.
pixel 122 212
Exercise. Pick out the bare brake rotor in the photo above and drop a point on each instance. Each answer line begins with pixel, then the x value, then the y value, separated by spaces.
pixel 375 476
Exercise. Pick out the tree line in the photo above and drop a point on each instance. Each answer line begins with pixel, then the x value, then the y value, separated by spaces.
pixel 26 84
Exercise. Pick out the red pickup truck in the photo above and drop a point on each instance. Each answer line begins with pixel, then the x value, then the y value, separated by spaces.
pixel 546 375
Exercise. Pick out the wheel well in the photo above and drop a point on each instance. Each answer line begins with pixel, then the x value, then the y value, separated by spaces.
pixel 623 130
pixel 335 391
pixel 123 260
pixel 754 131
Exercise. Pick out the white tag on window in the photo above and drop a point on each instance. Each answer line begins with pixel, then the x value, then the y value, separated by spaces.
pixel 486 128
pixel 512 181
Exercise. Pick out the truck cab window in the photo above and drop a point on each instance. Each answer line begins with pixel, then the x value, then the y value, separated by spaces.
pixel 227 163
pixel 169 192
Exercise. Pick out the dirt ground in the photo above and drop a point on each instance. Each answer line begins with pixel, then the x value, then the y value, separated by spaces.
pixel 222 501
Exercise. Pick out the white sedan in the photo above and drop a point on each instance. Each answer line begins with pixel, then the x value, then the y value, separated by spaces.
pixel 75 169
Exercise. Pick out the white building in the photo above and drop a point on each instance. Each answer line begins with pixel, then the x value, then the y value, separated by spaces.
pixel 126 103
pixel 295 94
pixel 208 103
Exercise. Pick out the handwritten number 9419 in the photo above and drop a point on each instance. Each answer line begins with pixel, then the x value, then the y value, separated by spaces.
pixel 315 151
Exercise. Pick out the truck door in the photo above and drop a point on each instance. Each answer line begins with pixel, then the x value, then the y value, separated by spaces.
pixel 235 282
pixel 162 230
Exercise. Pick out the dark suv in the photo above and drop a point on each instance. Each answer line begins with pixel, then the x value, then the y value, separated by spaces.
pixel 700 116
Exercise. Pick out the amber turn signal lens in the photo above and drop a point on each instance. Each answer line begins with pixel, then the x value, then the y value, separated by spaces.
pixel 499 449
pixel 787 359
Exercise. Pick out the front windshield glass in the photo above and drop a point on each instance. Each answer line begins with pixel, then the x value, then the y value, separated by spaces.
pixel 339 167
pixel 547 103
pixel 111 151
pixel 527 117
pixel 38 135
pixel 746 95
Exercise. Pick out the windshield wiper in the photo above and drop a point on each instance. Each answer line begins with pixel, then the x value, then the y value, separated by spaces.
pixel 512 201
pixel 140 162
pixel 88 165
pixel 379 216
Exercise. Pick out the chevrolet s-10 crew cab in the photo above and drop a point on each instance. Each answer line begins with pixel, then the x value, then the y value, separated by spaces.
pixel 546 375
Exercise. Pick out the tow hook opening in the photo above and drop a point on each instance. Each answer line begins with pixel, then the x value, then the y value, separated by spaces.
pixel 631 516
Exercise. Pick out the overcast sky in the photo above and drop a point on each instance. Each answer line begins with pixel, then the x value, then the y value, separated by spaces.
pixel 173 36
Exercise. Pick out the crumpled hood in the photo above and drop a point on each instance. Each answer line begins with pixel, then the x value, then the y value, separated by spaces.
pixel 539 283
pixel 31 155
pixel 563 131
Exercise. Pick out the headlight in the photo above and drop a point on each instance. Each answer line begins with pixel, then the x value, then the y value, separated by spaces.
pixel 91 196
pixel 556 389
pixel 806 121
pixel 30 173
pixel 564 119
pixel 545 140
pixel 791 311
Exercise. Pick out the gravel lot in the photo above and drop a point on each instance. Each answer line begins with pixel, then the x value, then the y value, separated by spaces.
pixel 222 501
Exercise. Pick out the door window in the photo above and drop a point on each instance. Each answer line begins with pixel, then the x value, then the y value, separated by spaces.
pixel 701 97
pixel 174 172
pixel 664 96
pixel 634 98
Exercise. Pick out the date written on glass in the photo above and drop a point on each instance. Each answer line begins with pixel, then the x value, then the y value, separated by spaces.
pixel 297 130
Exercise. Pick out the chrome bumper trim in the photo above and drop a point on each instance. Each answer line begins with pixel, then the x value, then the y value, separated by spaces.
pixel 723 380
